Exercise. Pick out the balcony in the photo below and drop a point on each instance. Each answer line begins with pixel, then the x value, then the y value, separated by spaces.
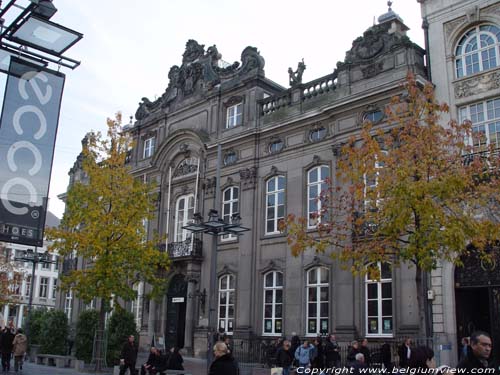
pixel 183 250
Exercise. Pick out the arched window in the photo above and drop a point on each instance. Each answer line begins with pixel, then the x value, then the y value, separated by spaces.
pixel 317 300
pixel 373 116
pixel 378 295
pixel 183 214
pixel 230 206
pixel 477 50
pixel 275 203
pixel 316 183
pixel 226 303
pixel 273 303
pixel 317 134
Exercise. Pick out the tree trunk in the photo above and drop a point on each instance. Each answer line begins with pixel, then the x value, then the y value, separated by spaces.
pixel 421 287
pixel 99 339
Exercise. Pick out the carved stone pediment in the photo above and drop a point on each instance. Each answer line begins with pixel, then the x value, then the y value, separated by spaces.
pixel 248 177
pixel 186 167
pixel 477 84
pixel 233 100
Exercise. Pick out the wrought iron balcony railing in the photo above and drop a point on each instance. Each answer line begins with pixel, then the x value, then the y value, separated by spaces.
pixel 190 248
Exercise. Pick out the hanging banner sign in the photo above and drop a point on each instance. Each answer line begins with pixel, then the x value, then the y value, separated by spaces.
pixel 28 128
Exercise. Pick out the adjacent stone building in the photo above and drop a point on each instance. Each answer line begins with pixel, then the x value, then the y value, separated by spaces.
pixel 463 48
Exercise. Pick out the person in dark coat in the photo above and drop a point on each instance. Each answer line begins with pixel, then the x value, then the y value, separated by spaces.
pixel 175 360
pixel 6 347
pixel 358 364
pixel 284 357
pixel 155 364
pixel 332 354
pixel 386 354
pixel 128 356
pixel 404 353
pixel 479 353
pixel 223 363
pixel 366 352
pixel 353 350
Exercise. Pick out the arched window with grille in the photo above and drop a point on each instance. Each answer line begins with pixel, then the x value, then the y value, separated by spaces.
pixel 318 301
pixel 226 303
pixel 273 303
pixel 378 297
pixel 478 50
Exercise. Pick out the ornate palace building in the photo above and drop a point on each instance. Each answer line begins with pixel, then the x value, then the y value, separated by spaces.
pixel 278 146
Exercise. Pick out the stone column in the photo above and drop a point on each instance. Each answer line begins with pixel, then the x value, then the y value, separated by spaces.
pixel 193 278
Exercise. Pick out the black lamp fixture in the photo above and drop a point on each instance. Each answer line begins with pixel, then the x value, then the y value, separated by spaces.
pixel 216 226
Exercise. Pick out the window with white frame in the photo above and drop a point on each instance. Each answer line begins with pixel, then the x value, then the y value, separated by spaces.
pixel 226 303
pixel 44 285
pixel 378 294
pixel 16 284
pixel 27 286
pixel 275 203
pixel 137 304
pixel 54 288
pixel 477 50
pixel 234 115
pixel 373 116
pixel 183 214
pixel 317 300
pixel 230 207
pixel 56 262
pixel 485 119
pixel 372 198
pixel 273 303
pixel 149 147
pixel 68 303
pixel 316 183
pixel 45 266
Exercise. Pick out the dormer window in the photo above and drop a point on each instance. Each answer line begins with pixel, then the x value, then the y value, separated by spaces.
pixel 234 115
pixel 373 116
pixel 317 134
pixel 149 147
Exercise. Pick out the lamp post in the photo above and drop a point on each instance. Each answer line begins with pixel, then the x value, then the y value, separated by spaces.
pixel 34 258
pixel 214 226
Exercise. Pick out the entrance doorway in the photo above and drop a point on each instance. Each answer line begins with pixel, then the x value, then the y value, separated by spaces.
pixel 477 299
pixel 176 312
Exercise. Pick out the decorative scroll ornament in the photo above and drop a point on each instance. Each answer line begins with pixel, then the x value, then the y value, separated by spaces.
pixel 477 84
pixel 186 167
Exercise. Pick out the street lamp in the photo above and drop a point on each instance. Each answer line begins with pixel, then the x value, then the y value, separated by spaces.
pixel 214 226
pixel 33 257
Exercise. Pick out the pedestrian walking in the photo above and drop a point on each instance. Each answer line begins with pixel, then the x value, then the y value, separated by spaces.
pixel 366 352
pixel 223 363
pixel 332 353
pixel 404 353
pixel 386 354
pixel 284 357
pixel 128 356
pixel 19 348
pixel 353 350
pixel 304 354
pixel 175 360
pixel 6 339
pixel 478 357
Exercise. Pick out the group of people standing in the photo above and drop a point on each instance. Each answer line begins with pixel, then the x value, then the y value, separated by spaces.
pixel 13 343
pixel 156 364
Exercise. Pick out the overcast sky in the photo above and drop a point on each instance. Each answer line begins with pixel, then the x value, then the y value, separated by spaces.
pixel 130 45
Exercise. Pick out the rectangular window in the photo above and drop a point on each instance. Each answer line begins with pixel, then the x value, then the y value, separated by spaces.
pixel 234 115
pixel 56 264
pixel 275 203
pixel 149 147
pixel 54 289
pixel 68 303
pixel 183 215
pixel 229 208
pixel 379 315
pixel 273 303
pixel 27 286
pixel 45 266
pixel 226 304
pixel 44 284
pixel 485 119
